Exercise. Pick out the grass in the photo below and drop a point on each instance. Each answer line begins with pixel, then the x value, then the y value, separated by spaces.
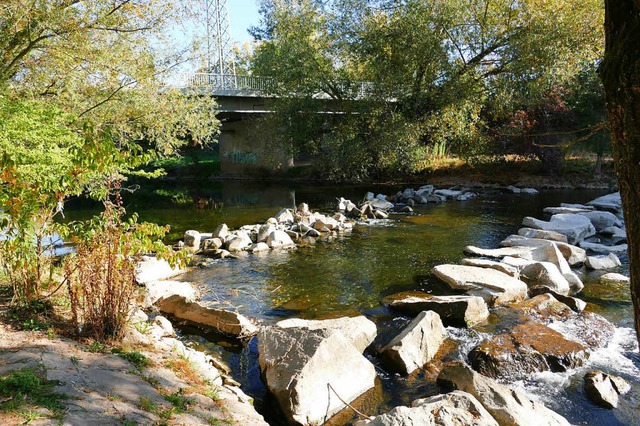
pixel 23 390
pixel 139 360
pixel 212 392
pixel 179 401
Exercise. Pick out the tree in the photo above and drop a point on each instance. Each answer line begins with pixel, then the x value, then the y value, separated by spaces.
pixel 447 69
pixel 620 72
pixel 83 104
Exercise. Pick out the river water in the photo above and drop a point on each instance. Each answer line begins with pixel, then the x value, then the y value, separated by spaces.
pixel 353 273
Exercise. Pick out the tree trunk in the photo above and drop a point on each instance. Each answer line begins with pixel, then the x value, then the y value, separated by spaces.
pixel 620 73
pixel 598 168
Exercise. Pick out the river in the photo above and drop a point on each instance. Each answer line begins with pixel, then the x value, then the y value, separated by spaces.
pixel 353 273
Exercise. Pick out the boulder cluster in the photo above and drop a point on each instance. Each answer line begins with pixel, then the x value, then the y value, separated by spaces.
pixel 315 368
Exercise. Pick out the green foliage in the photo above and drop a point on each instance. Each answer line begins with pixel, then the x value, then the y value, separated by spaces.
pixel 179 401
pixel 139 360
pixel 28 388
pixel 83 104
pixel 442 75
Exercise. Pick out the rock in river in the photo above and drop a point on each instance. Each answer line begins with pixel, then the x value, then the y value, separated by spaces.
pixel 493 286
pixel 416 345
pixel 574 226
pixel 603 262
pixel 545 274
pixel 508 406
pixel 451 409
pixel 305 369
pixel 225 322
pixel 457 311
pixel 359 330
pixel 603 389
pixel 528 348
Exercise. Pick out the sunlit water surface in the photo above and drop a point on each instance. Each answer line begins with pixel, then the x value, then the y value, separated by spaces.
pixel 353 273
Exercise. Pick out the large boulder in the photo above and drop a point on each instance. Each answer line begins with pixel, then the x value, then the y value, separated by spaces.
pixel 279 239
pixel 573 254
pixel 542 235
pixel 492 264
pixel 601 248
pixel 609 261
pixel 359 330
pixel 574 226
pixel 416 345
pixel 158 290
pixel 499 253
pixel 192 240
pixel 241 241
pixel 603 389
pixel 448 193
pixel 310 372
pixel 493 286
pixel 528 348
pixel 610 202
pixel 225 322
pixel 576 305
pixel 612 277
pixel 222 231
pixel 381 204
pixel 545 274
pixel 452 409
pixel 457 311
pixel 153 269
pixel 264 232
pixel 602 220
pixel 507 406
pixel 284 216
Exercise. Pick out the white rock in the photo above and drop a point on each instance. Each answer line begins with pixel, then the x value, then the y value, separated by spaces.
pixel 158 290
pixel 221 232
pixel 574 226
pixel 222 321
pixel 522 252
pixel 508 406
pixel 264 232
pixel 304 369
pixel 574 255
pixel 609 261
pixel 369 196
pixel 240 242
pixel 192 239
pixel 493 286
pixel 153 269
pixel 359 330
pixel 578 206
pixel 601 248
pixel 284 216
pixel 381 197
pixel 500 266
pixel 279 239
pixel 610 202
pixel 569 210
pixel 614 278
pixel 514 189
pixel 545 274
pixel 542 235
pixel 416 345
pixel 456 408
pixel 529 191
pixel 602 220
pixel 447 193
pixel 381 204
pixel 212 244
pixel 259 248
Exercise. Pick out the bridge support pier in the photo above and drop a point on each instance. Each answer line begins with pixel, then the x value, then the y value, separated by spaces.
pixel 244 154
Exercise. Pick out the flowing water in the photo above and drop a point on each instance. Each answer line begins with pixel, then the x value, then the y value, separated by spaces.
pixel 353 273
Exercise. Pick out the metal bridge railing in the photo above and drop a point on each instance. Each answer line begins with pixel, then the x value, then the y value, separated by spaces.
pixel 213 82
pixel 219 82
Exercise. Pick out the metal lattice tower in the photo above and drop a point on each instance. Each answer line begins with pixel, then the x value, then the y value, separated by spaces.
pixel 219 53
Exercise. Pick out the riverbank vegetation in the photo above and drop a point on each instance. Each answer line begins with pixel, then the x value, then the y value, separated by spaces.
pixel 403 84
pixel 83 106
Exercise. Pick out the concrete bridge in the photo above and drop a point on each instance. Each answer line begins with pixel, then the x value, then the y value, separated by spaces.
pixel 241 97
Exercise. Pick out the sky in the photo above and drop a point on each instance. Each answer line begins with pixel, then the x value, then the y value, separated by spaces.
pixel 242 15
